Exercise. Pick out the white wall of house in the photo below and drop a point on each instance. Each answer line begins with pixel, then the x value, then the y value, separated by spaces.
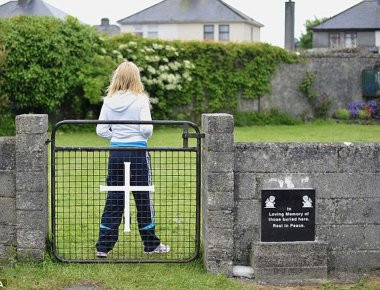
pixel 377 37
pixel 239 32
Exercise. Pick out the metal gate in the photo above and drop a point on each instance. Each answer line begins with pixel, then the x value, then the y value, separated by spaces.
pixel 78 175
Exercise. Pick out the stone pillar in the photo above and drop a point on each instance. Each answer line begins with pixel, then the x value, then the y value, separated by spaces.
pixel 31 185
pixel 289 25
pixel 7 197
pixel 218 192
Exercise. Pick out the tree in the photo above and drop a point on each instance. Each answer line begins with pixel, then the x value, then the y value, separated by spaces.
pixel 306 40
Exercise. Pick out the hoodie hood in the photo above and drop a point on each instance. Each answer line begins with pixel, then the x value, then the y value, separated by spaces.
pixel 120 101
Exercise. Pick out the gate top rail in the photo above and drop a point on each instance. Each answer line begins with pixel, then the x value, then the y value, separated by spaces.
pixel 186 125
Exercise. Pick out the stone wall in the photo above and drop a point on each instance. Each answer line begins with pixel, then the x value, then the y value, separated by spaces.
pixel 346 178
pixel 338 75
pixel 24 189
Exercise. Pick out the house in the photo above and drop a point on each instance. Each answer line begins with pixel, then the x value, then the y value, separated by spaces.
pixel 106 27
pixel 358 26
pixel 30 7
pixel 192 20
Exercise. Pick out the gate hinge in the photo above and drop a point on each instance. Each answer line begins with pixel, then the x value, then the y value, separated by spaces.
pixel 47 141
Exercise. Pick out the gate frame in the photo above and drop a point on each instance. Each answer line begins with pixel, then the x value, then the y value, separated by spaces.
pixel 185 136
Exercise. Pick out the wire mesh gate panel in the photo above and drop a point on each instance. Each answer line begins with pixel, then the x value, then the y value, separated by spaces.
pixel 77 203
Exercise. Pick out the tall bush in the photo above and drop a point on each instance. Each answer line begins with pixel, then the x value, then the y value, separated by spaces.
pixel 46 63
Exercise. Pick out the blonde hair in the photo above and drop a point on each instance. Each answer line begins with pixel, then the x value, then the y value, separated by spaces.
pixel 126 78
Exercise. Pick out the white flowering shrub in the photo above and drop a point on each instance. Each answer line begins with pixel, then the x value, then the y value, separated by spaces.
pixel 163 72
pixel 186 79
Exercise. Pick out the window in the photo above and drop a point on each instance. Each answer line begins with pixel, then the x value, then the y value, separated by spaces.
pixel 351 40
pixel 139 30
pixel 152 31
pixel 208 32
pixel 334 40
pixel 224 32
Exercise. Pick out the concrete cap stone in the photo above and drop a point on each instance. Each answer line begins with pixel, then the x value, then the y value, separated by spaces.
pixel 31 123
pixel 218 123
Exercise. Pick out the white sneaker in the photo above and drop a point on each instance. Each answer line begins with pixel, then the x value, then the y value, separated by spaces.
pixel 161 249
pixel 101 255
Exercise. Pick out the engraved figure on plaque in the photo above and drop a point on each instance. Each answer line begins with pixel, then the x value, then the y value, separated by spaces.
pixel 307 202
pixel 270 202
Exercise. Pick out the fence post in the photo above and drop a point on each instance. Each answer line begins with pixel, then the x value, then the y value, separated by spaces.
pixel 31 185
pixel 218 192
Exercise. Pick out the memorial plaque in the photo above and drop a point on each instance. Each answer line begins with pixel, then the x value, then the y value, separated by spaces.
pixel 287 215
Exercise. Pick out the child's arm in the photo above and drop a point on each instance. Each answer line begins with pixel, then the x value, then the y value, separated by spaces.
pixel 104 130
pixel 146 130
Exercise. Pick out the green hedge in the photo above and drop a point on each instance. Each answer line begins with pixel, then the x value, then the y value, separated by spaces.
pixel 63 68
pixel 212 76
pixel 49 66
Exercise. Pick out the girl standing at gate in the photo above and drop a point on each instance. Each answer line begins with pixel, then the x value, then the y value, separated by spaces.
pixel 126 101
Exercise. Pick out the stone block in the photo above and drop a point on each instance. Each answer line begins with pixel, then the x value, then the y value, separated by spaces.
pixel 286 157
pixel 259 157
pixel 218 142
pixel 31 239
pixel 289 262
pixel 248 212
pixel 220 267
pixel 220 182
pixel 342 237
pixel 312 157
pixel 245 186
pixel 353 261
pixel 220 219
pixel 31 124
pixel 325 211
pixel 221 238
pixel 7 184
pixel 219 254
pixel 371 237
pixel 8 211
pixel 359 158
pixel 354 211
pixel 218 162
pixel 7 153
pixel 31 181
pixel 290 275
pixel 311 259
pixel 31 201
pixel 346 185
pixel 220 201
pixel 274 249
pixel 32 220
pixel 7 235
pixel 30 254
pixel 217 123
pixel 31 152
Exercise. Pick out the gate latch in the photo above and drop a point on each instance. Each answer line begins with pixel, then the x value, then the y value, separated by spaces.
pixel 186 135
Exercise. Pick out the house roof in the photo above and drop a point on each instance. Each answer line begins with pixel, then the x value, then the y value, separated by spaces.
pixel 365 15
pixel 188 11
pixel 30 7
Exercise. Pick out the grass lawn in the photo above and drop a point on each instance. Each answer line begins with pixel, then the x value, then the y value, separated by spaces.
pixel 52 275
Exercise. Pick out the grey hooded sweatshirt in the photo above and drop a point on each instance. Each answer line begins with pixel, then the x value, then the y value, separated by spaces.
pixel 125 106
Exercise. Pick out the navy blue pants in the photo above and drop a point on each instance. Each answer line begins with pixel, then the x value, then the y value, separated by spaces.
pixel 114 207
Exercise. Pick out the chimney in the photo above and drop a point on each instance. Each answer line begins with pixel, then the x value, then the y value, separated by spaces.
pixel 289 25
pixel 105 22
